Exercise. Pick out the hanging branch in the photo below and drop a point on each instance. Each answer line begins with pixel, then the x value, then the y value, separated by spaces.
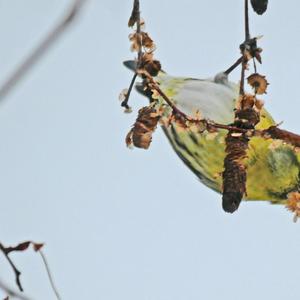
pixel 37 53
pixel 135 18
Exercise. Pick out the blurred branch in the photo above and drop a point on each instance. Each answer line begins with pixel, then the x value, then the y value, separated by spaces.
pixel 11 293
pixel 45 44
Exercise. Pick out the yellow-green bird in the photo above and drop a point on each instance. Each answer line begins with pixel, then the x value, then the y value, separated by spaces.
pixel 272 166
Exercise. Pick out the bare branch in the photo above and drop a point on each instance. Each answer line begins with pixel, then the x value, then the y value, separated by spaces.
pixel 135 18
pixel 20 247
pixel 49 275
pixel 288 137
pixel 236 64
pixel 125 101
pixel 247 30
pixel 37 53
pixel 6 251
pixel 136 11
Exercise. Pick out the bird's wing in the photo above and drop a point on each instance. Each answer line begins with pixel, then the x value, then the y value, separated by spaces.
pixel 214 100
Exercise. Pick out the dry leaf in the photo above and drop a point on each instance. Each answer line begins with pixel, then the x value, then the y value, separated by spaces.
pixel 37 246
pixel 147 42
pixel 149 65
pixel 135 42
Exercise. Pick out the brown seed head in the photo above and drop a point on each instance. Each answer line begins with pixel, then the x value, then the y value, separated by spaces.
pixel 293 204
pixel 141 134
pixel 258 83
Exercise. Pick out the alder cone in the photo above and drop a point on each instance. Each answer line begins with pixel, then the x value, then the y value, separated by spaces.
pixel 141 134
pixel 259 6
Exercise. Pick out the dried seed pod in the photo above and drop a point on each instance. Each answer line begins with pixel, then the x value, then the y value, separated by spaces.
pixel 141 134
pixel 135 42
pixel 153 67
pixel 259 6
pixel 234 175
pixel 259 83
pixel 141 40
pixel 293 204
pixel 149 64
pixel 134 14
pixel 147 42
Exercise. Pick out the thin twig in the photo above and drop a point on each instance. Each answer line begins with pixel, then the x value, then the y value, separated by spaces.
pixel 236 64
pixel 242 82
pixel 50 275
pixel 155 86
pixel 10 292
pixel 247 30
pixel 16 271
pixel 37 53
pixel 247 38
pixel 125 101
pixel 136 15
pixel 138 29
pixel 254 65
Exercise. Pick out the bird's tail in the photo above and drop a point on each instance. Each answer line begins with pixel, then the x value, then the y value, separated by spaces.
pixel 130 64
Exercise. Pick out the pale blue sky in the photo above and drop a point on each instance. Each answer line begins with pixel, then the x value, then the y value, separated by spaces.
pixel 135 225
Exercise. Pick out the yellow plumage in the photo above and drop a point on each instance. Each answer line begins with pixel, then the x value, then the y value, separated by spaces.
pixel 272 166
